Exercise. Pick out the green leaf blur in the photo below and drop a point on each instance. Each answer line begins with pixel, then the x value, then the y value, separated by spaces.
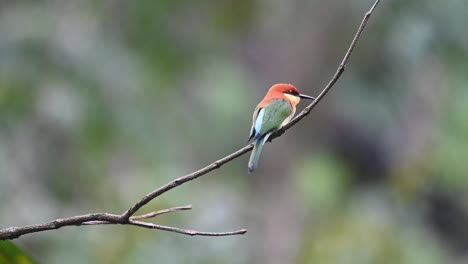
pixel 11 254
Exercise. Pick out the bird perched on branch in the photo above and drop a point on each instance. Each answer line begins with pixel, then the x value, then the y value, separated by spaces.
pixel 275 110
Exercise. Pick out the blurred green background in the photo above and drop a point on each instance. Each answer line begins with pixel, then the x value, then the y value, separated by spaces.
pixel 103 101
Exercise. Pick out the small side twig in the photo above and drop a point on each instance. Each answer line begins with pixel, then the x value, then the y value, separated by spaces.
pixel 128 218
pixel 160 212
pixel 185 231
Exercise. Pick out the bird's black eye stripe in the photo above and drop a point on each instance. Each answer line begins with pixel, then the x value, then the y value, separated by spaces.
pixel 291 92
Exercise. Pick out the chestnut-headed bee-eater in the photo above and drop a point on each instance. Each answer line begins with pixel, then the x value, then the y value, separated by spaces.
pixel 275 110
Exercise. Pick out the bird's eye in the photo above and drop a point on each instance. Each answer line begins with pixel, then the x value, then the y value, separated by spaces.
pixel 292 92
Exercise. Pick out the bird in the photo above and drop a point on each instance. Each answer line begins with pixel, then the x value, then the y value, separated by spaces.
pixel 275 110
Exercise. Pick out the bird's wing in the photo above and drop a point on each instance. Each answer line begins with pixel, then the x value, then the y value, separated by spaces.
pixel 276 111
pixel 269 118
pixel 255 128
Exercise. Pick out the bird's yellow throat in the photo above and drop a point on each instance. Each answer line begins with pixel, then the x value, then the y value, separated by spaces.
pixel 293 99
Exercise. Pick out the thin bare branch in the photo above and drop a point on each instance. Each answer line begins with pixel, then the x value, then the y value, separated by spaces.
pixel 179 181
pixel 185 231
pixel 128 218
pixel 336 76
pixel 160 212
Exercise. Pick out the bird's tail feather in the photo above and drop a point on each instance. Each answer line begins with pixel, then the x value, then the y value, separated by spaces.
pixel 257 150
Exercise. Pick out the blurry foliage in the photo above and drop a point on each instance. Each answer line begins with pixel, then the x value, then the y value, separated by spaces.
pixel 11 254
pixel 103 101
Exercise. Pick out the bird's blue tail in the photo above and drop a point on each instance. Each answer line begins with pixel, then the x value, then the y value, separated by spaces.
pixel 257 150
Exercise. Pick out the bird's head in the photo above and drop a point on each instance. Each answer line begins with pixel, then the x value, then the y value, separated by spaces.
pixel 289 92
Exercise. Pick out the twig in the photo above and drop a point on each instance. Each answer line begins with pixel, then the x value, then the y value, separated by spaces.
pixel 185 231
pixel 179 181
pixel 160 212
pixel 336 76
pixel 128 218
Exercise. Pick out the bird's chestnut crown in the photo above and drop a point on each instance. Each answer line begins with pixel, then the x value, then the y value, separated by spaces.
pixel 289 89
pixel 285 88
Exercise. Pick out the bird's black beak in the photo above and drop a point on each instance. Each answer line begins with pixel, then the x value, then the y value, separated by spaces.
pixel 306 96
